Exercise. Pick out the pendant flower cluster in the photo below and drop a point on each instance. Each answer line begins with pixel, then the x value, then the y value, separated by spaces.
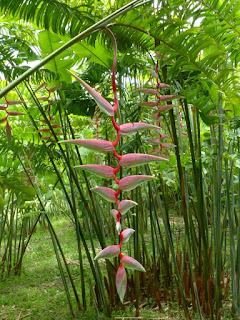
pixel 9 114
pixel 159 99
pixel 50 118
pixel 125 184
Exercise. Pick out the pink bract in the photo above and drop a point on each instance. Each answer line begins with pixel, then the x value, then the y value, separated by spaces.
pixel 148 91
pixel 148 103
pixel 168 145
pixel 114 213
pixel 100 170
pixel 121 282
pixel 130 263
pixel 15 113
pixel 167 107
pixel 128 128
pixel 131 182
pixel 108 253
pixel 106 193
pixel 102 103
pixel 168 97
pixel 13 102
pixel 137 159
pixel 126 234
pixel 91 144
pixel 126 205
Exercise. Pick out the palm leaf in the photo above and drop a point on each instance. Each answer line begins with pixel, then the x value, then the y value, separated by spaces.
pixel 49 14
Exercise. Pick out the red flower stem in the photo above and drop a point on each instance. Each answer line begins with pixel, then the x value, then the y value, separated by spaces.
pixel 120 243
pixel 117 128
pixel 117 155
pixel 117 169
pixel 158 97
pixel 116 180
pixel 114 69
pixel 117 139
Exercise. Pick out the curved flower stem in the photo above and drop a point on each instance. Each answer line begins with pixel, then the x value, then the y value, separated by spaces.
pixel 159 101
pixel 113 70
pixel 117 128
pixel 117 140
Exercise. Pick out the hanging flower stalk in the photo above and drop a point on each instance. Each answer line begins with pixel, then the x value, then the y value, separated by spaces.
pixel 9 114
pixel 50 118
pixel 161 108
pixel 125 184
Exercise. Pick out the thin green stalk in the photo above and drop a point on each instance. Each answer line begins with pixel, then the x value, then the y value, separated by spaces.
pixel 55 238
pixel 232 240
pixel 78 242
pixel 66 159
pixel 218 190
pixel 136 250
pixel 98 277
pixel 197 175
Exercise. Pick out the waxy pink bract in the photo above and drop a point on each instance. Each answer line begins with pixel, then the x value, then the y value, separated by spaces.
pixel 168 97
pixel 131 182
pixel 121 282
pixel 128 128
pixel 114 213
pixel 147 90
pixel 106 193
pixel 126 205
pixel 148 104
pixel 108 253
pixel 91 144
pixel 103 104
pixel 15 113
pixel 168 145
pixel 13 102
pixel 98 169
pixel 2 120
pixel 137 159
pixel 126 234
pixel 167 107
pixel 130 263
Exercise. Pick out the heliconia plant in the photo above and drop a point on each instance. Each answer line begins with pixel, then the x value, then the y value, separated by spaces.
pixel 50 118
pixel 125 184
pixel 161 109
pixel 9 114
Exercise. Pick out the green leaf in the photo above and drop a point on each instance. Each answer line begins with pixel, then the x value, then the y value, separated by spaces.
pixel 48 43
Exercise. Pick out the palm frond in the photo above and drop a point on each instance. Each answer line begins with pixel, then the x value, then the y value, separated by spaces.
pixel 49 14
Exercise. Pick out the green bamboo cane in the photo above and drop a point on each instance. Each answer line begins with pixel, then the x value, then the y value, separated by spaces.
pixel 238 234
pixel 56 248
pixel 78 237
pixel 218 211
pixel 199 192
pixel 79 231
pixel 66 159
pixel 232 240
pixel 65 191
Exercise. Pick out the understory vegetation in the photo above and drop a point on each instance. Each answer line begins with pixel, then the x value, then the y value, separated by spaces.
pixel 119 159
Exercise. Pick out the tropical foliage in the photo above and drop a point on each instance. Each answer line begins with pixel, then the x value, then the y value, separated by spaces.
pixel 177 76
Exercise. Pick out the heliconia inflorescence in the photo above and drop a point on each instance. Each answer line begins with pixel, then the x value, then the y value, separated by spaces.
pixel 125 184
pixel 9 114
pixel 161 109
pixel 51 119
